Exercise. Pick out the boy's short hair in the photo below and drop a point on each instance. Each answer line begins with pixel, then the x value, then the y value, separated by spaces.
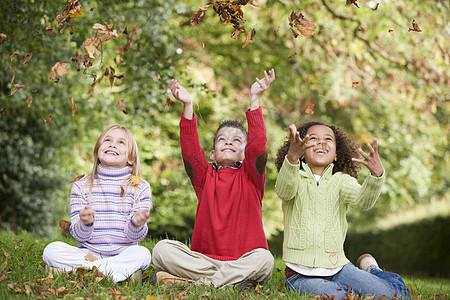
pixel 230 123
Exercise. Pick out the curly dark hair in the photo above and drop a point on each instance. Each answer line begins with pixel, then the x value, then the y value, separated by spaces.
pixel 345 150
pixel 230 123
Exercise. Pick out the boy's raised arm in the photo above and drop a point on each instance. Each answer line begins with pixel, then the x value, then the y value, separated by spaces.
pixel 260 86
pixel 182 95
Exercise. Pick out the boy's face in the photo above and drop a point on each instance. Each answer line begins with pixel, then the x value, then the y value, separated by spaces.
pixel 229 146
pixel 323 152
pixel 113 152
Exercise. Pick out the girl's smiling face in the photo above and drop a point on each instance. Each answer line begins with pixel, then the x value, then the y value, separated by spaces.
pixel 323 151
pixel 113 152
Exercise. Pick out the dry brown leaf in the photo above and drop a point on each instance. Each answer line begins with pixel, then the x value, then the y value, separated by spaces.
pixel 121 106
pixel 306 28
pixel 48 119
pixel 3 37
pixel 310 109
pixel 15 88
pixel 13 74
pixel 73 107
pixel 58 68
pixel 293 54
pixel 355 84
pixel 49 28
pixel 77 178
pixel 135 180
pixel 27 58
pixel 12 56
pixel 249 37
pixel 3 110
pixel 376 6
pixel 324 146
pixel 29 102
pixel 122 191
pixel 415 27
pixel 350 2
pixel 203 44
pixel 90 257
pixel 168 102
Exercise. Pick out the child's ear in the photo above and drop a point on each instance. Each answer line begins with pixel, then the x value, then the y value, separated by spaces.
pixel 211 155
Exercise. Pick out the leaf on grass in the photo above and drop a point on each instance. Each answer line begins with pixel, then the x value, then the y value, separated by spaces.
pixel 249 37
pixel 15 88
pixel 77 178
pixel 90 257
pixel 27 58
pixel 310 109
pixel 293 54
pixel 73 107
pixel 355 84
pixel 415 27
pixel 121 106
pixel 12 56
pixel 3 37
pixel 58 68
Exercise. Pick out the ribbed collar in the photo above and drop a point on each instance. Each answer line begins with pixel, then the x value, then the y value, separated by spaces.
pixel 308 173
pixel 103 172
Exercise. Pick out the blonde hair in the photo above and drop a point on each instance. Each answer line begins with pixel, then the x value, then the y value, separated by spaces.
pixel 133 156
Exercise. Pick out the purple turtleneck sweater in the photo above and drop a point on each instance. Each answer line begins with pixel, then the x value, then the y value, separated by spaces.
pixel 112 230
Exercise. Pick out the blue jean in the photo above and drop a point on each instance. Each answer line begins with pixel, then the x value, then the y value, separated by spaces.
pixel 376 283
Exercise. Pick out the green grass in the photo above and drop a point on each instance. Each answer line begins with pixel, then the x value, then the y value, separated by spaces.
pixel 22 276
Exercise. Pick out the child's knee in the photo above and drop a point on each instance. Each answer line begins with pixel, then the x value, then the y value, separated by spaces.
pixel 51 251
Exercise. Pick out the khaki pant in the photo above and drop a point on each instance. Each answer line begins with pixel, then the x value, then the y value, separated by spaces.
pixel 177 259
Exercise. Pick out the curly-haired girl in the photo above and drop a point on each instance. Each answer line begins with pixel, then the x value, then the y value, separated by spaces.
pixel 318 166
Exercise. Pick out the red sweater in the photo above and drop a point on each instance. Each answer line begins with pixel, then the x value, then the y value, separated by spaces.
pixel 228 222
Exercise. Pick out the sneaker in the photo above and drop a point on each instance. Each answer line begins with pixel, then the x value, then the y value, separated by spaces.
pixel 367 262
pixel 136 277
pixel 163 277
pixel 245 285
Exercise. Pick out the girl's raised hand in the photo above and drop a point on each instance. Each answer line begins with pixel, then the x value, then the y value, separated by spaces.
pixel 140 217
pixel 87 215
pixel 372 159
pixel 179 92
pixel 297 146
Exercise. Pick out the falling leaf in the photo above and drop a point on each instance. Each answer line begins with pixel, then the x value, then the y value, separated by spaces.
pixel 324 146
pixel 76 14
pixel 293 54
pixel 249 37
pixel 15 88
pixel 350 2
pixel 77 178
pixel 29 102
pixel 3 37
pixel 158 77
pixel 48 119
pixel 415 27
pixel 135 180
pixel 13 74
pixel 236 33
pixel 278 30
pixel 36 30
pixel 73 108
pixel 294 33
pixel 310 109
pixel 111 75
pixel 203 44
pixel 12 56
pixel 391 30
pixel 122 191
pixel 90 257
pixel 27 58
pixel 355 84
pixel 3 110
pixel 305 27
pixel 60 68
pixel 121 106
pixel 49 28
pixel 376 6
pixel 168 102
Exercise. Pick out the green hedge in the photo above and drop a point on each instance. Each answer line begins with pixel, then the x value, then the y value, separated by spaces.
pixel 420 248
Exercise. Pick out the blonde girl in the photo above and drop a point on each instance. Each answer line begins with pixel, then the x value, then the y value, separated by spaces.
pixel 109 212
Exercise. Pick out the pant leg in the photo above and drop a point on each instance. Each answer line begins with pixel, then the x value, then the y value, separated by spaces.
pixel 395 281
pixel 124 264
pixel 177 259
pixel 64 256
pixel 254 265
pixel 378 283
pixel 315 285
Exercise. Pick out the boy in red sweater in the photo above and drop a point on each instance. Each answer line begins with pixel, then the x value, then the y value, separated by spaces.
pixel 228 243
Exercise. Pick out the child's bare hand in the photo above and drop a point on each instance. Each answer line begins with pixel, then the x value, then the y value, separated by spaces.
pixel 262 84
pixel 372 159
pixel 140 217
pixel 87 215
pixel 297 146
pixel 179 92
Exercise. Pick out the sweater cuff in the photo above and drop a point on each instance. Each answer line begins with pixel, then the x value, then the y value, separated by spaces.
pixel 254 117
pixel 188 125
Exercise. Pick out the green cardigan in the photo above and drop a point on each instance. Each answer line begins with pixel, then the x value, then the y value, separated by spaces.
pixel 315 223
